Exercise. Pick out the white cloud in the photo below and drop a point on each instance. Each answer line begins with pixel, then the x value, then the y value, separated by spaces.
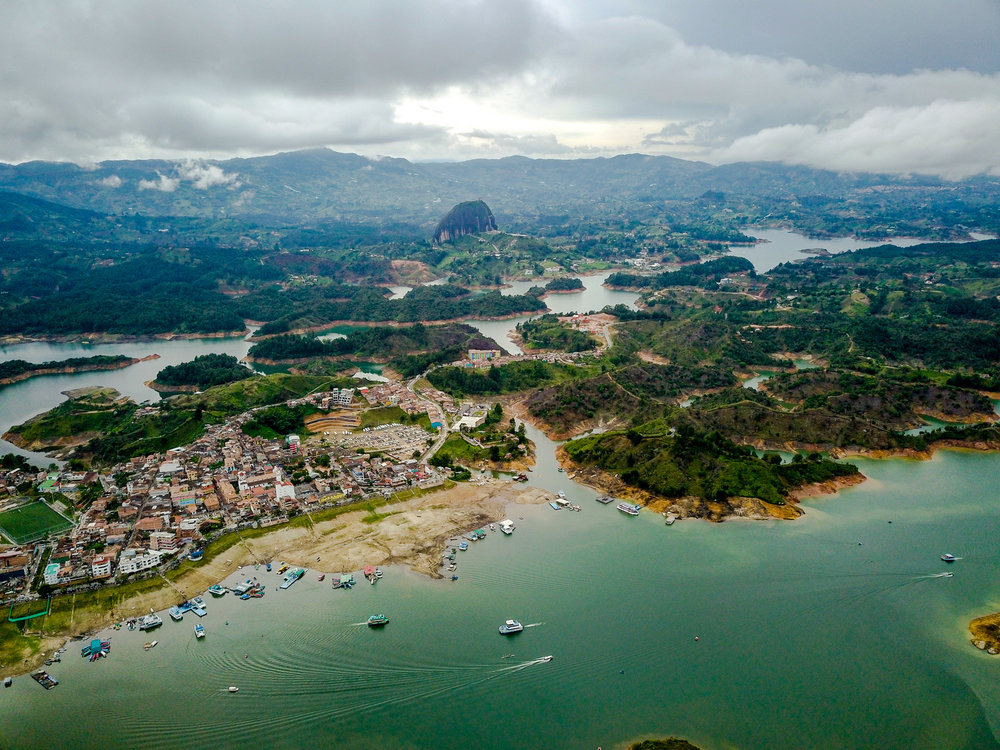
pixel 164 184
pixel 111 181
pixel 204 176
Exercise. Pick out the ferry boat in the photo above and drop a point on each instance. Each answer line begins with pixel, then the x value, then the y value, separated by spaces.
pixel 150 621
pixel 291 577
pixel 507 526
pixel 510 627
pixel 948 557
pixel 217 590
pixel 199 631
pixel 632 510
pixel 377 621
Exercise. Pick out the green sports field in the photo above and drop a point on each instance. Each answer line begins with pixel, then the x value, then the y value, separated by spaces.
pixel 30 522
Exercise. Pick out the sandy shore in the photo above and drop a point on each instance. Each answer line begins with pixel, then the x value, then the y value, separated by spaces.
pixel 411 532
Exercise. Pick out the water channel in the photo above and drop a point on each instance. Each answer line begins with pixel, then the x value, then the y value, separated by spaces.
pixel 837 630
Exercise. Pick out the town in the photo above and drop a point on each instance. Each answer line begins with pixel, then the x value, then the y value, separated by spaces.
pixel 147 514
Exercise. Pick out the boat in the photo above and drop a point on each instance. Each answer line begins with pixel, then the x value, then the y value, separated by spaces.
pixel 217 590
pixel 321 576
pixel 463 546
pixel 199 631
pixel 555 505
pixel 370 573
pixel 44 679
pixel 471 536
pixel 8 681
pixel 605 499
pixel 546 658
pixel 282 569
pixel 291 577
pixel 150 621
pixel 378 572
pixel 93 649
pixel 669 518
pixel 507 526
pixel 268 567
pixel 241 588
pixel 377 621
pixel 233 689
pixel 948 557
pixel 198 606
pixel 632 510
pixel 510 627
pixel 493 527
pixel 176 613
pixel 343 581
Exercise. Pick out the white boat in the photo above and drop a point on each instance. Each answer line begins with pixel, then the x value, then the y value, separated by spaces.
pixel 150 645
pixel 510 627
pixel 199 631
pixel 150 621
pixel 948 557
pixel 176 613
pixel 233 689
pixel 669 518
pixel 507 526
pixel 632 510
pixel 546 658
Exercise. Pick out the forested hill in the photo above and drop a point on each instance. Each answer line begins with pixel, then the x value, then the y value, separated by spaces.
pixel 322 184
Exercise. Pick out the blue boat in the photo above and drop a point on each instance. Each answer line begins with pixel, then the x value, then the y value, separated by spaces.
pixel 291 577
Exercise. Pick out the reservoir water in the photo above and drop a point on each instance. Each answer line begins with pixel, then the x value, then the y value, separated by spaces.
pixel 834 631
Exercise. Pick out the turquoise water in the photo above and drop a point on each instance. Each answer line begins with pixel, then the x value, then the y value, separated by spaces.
pixel 805 638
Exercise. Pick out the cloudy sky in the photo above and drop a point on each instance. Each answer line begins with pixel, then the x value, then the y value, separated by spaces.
pixel 910 86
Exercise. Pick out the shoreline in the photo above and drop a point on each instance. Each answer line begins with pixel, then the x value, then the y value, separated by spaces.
pixel 751 508
pixel 413 532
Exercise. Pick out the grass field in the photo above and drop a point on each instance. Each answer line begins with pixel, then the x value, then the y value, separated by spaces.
pixel 32 521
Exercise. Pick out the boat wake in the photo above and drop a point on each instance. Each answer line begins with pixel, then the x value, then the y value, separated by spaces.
pixel 534 624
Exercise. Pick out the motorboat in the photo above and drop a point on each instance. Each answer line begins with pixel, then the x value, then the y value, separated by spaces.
pixel 217 590
pixel 546 658
pixel 948 557
pixel 376 621
pixel 233 689
pixel 150 644
pixel 510 627
pixel 199 631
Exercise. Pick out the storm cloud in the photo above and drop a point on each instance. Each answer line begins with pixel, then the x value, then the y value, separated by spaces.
pixel 852 86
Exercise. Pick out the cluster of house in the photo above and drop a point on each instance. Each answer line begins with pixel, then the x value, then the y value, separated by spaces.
pixel 155 507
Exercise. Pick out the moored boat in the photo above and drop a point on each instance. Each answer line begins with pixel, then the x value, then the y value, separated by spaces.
pixel 463 546
pixel 507 526
pixel 376 621
pixel 8 681
pixel 44 679
pixel 629 508
pixel 150 621
pixel 321 576
pixel 217 590
pixel 291 577
pixel 510 627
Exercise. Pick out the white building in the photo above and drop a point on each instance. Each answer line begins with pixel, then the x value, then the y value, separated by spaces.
pixel 101 566
pixel 133 561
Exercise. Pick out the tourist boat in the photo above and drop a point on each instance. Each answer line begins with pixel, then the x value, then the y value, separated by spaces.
pixel 948 557
pixel 233 689
pixel 632 510
pixel 376 621
pixel 198 606
pixel 605 499
pixel 510 627
pixel 199 631
pixel 150 621
pixel 463 546
pixel 291 577
pixel 44 679
pixel 507 526
pixel 176 613
pixel 217 590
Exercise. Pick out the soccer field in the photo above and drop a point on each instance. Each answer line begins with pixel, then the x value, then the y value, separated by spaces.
pixel 30 522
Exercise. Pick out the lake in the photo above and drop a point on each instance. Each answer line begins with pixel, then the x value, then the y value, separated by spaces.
pixel 834 631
